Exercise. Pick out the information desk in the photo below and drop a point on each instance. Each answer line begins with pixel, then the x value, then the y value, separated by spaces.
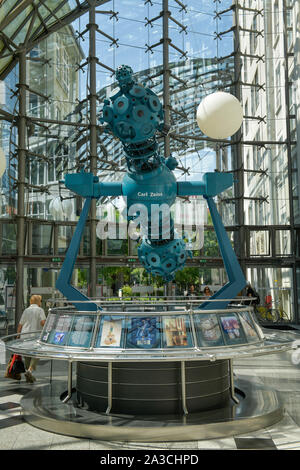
pixel 154 364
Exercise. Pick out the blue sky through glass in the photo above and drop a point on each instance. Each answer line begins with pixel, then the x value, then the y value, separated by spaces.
pixel 134 36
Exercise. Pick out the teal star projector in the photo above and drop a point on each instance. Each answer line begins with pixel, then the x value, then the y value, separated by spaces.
pixel 135 116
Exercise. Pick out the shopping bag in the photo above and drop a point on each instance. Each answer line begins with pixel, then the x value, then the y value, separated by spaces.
pixel 15 367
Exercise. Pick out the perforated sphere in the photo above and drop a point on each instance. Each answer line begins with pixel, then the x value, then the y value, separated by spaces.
pixel 219 115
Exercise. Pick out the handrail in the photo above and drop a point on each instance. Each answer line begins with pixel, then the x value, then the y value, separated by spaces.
pixel 62 311
pixel 159 300
pixel 4 338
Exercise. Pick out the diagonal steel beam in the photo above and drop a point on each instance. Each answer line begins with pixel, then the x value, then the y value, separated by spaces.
pixel 14 13
pixel 44 33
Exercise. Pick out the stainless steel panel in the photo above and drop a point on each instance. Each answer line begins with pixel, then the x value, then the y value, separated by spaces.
pixel 259 407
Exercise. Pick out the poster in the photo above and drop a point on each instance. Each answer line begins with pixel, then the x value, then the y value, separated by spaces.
pixel 143 332
pixel 176 331
pixel 82 330
pixel 209 331
pixel 248 326
pixel 110 333
pixel 59 338
pixel 233 332
pixel 60 334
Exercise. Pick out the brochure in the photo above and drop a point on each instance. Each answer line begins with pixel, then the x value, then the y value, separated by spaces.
pixel 59 335
pixel 82 329
pixel 49 326
pixel 177 331
pixel 248 326
pixel 209 331
pixel 143 332
pixel 110 333
pixel 232 329
pixel 59 338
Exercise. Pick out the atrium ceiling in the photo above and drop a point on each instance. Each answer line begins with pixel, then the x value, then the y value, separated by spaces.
pixel 24 23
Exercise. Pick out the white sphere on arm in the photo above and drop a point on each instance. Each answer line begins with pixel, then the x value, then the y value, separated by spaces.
pixel 219 115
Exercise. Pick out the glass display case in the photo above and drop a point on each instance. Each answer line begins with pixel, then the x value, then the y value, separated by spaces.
pixel 151 330
pixel 163 363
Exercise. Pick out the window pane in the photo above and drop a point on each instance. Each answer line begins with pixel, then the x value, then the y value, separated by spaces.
pixel 9 245
pixel 41 239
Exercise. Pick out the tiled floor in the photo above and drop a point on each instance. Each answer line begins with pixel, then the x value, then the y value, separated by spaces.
pixel 274 370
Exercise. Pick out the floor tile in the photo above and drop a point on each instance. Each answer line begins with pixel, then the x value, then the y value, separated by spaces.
pixel 247 443
pixel 7 422
pixel 71 444
pixel 9 405
pixel 221 444
pixel 278 372
pixel 102 445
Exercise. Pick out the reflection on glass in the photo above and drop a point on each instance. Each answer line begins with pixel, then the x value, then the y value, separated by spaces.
pixel 9 244
pixel 117 247
pixel 283 242
pixel 82 329
pixel 248 326
pixel 65 234
pixel 48 327
pixel 143 333
pixel 110 333
pixel 177 332
pixel 257 326
pixel 208 330
pixel 60 334
pixel 259 243
pixel 41 239
pixel 233 332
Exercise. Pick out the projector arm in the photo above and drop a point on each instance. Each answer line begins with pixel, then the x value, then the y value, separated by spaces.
pixel 86 185
pixel 236 278
pixel 63 283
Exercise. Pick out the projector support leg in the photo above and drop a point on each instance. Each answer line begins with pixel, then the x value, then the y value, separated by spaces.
pixel 234 398
pixel 109 388
pixel 70 375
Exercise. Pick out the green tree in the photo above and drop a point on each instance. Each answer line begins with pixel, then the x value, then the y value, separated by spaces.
pixel 187 277
pixel 82 278
pixel 127 291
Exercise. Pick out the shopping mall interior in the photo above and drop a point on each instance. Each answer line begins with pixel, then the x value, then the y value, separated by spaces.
pixel 155 338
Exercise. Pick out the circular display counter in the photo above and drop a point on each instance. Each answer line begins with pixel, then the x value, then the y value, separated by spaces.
pixel 153 362
pixel 151 335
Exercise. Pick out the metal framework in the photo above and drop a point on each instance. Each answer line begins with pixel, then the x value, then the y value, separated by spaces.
pixel 38 25
pixel 13 52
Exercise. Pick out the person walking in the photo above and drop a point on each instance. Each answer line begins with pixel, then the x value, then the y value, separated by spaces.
pixel 33 319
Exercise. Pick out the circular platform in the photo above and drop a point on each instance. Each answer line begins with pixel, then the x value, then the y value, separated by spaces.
pixel 258 407
pixel 175 362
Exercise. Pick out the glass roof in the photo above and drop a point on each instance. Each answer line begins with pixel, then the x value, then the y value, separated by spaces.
pixel 30 21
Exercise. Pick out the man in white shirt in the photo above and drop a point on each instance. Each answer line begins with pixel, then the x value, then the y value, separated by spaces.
pixel 33 319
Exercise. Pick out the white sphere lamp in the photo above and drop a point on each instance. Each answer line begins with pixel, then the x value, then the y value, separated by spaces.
pixel 219 115
pixel 67 207
pixel 59 208
pixel 2 162
pixel 55 208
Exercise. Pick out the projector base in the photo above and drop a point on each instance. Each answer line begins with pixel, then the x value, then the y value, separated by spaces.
pixel 258 408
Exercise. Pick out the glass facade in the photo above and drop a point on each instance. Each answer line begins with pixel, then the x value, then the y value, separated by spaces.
pixel 183 52
pixel 271 200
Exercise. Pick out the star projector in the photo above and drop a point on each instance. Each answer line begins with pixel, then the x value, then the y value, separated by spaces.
pixel 135 116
